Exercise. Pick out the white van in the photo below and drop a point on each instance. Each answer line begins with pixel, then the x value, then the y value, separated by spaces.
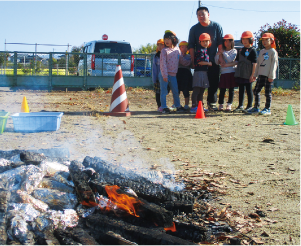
pixel 104 55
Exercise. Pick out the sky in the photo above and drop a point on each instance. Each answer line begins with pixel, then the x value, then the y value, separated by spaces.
pixel 137 22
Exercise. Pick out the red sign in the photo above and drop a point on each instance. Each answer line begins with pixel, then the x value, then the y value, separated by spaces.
pixel 105 37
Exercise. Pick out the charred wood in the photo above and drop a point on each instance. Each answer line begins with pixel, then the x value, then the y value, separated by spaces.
pixel 75 235
pixel 147 211
pixel 144 188
pixel 139 235
pixel 192 232
pixel 36 158
pixel 115 239
pixel 80 180
pixel 47 239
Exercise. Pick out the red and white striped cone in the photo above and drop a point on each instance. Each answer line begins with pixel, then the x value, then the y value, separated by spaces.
pixel 119 102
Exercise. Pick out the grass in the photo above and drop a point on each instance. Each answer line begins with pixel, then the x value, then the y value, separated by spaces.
pixel 44 72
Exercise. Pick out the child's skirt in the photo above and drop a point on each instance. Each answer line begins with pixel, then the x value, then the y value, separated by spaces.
pixel 184 78
pixel 227 80
pixel 200 79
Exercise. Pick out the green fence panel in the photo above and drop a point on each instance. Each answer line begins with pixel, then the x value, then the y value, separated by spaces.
pixel 56 69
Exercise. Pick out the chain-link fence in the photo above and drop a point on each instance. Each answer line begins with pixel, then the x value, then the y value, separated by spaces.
pixel 6 66
pixel 289 69
pixel 74 64
pixel 101 64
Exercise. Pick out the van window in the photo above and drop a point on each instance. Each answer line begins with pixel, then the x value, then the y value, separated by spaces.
pixel 110 48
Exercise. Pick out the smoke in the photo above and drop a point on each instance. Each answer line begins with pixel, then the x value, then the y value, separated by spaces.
pixel 125 152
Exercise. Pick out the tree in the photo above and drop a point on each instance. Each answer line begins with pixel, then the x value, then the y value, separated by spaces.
pixel 148 49
pixel 74 59
pixel 287 38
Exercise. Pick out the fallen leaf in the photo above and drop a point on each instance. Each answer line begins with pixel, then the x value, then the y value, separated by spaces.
pixel 245 230
pixel 273 209
pixel 257 240
pixel 264 234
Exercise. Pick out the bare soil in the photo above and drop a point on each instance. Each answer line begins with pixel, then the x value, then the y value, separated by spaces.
pixel 249 162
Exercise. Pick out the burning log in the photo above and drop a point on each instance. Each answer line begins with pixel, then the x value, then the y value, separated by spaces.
pixel 147 211
pixel 74 236
pixel 137 234
pixel 80 180
pixel 4 198
pixel 144 188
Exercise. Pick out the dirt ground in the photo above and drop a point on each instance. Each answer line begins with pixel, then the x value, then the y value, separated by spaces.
pixel 256 158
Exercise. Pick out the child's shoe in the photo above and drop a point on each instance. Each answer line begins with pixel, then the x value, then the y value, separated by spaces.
pixel 193 110
pixel 221 107
pixel 265 111
pixel 247 109
pixel 160 109
pixel 212 107
pixel 228 108
pixel 253 111
pixel 166 111
pixel 205 110
pixel 186 107
pixel 180 109
pixel 173 108
pixel 239 109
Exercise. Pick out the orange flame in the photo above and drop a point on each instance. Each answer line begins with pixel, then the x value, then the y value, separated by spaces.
pixel 123 201
pixel 172 228
pixel 89 204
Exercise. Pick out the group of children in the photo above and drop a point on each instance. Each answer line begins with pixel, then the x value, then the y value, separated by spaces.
pixel 172 71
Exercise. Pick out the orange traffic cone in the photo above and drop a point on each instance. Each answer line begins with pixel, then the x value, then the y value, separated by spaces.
pixel 119 102
pixel 24 106
pixel 200 112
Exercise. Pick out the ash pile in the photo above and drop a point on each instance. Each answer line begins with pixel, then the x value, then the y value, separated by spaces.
pixel 46 199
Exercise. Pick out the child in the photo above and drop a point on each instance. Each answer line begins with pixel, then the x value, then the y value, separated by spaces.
pixel 155 72
pixel 266 71
pixel 169 62
pixel 184 76
pixel 247 59
pixel 227 71
pixel 200 77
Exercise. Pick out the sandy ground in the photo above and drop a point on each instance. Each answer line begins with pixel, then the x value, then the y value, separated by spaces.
pixel 257 156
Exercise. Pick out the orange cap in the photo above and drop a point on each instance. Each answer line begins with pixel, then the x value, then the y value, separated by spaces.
pixel 204 36
pixel 271 36
pixel 170 32
pixel 247 34
pixel 228 36
pixel 183 43
pixel 160 41
pixel 268 35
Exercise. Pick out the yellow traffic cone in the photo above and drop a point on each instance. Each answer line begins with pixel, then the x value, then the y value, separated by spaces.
pixel 24 106
pixel 290 117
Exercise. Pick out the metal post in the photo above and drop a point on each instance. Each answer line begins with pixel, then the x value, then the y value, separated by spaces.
pixel 50 71
pixel 199 3
pixel 85 70
pixel 15 68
